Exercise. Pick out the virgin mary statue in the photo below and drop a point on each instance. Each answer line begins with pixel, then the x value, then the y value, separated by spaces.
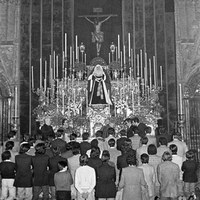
pixel 99 86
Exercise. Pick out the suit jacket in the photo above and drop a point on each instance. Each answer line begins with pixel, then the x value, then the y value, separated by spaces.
pixel 40 170
pixel 94 162
pixel 133 182
pixel 190 168
pixel 47 131
pixel 60 143
pixel 53 168
pixel 23 163
pixel 84 146
pixel 169 178
pixel 141 128
pixel 120 142
pixel 106 176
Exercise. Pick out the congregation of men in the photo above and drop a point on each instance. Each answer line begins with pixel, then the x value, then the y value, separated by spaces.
pixel 131 163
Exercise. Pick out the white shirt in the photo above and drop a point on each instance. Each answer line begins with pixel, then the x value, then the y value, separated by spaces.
pixel 150 177
pixel 179 161
pixel 85 179
pixel 182 147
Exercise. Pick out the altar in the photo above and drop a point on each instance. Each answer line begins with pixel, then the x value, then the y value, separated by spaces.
pixel 69 97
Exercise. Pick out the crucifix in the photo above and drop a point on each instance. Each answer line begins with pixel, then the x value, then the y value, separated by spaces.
pixel 97 35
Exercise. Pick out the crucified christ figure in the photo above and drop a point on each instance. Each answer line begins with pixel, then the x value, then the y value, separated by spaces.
pixel 97 35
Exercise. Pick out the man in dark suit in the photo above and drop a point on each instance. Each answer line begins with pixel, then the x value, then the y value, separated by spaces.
pixel 47 129
pixel 121 140
pixel 141 127
pixel 85 145
pixel 59 142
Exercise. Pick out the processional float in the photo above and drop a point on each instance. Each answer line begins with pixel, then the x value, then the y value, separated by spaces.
pixel 133 89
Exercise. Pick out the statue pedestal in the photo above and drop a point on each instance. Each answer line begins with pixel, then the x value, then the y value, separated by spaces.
pixel 97 114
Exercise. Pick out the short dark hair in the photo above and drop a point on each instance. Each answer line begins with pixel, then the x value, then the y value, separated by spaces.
pixel 11 134
pixel 173 149
pixel 94 143
pixel 9 145
pixel 24 148
pixel 148 129
pixel 99 133
pixel 122 132
pixel 163 141
pixel 111 142
pixel 95 152
pixel 83 159
pixel 136 119
pixel 151 149
pixel 105 155
pixel 111 131
pixel 68 146
pixel 75 148
pixel 6 155
pixel 144 140
pixel 131 160
pixel 144 158
pixel 63 163
pixel 190 155
pixel 73 136
pixel 59 132
pixel 85 135
pixel 40 148
pixel 167 156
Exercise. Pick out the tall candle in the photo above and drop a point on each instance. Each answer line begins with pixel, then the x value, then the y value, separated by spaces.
pixel 141 66
pixel 116 53
pixel 65 45
pixel 124 55
pixel 129 45
pixel 16 101
pixel 154 71
pixel 138 67
pixel 150 80
pixel 50 71
pixel 121 60
pixel 132 60
pixel 45 76
pixel 180 97
pixel 63 64
pixel 109 58
pixel 85 58
pixel 118 45
pixel 73 61
pixel 70 56
pixel 40 73
pixel 76 46
pixel 123 86
pixel 77 54
pixel 45 71
pixel 63 101
pixel 54 65
pixel 57 66
pixel 32 78
pixel 161 79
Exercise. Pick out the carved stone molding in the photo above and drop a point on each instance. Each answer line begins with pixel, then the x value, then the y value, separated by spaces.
pixel 16 2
